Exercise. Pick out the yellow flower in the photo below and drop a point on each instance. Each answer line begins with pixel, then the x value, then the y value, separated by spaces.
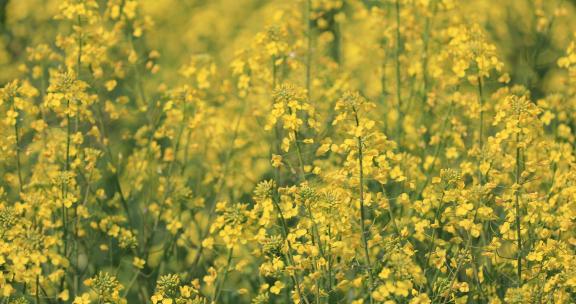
pixel 385 273
pixel 138 263
pixel 110 84
pixel 276 161
pixel 64 295
pixel 210 278
pixel 208 243
pixel 83 299
pixel 174 226
pixel 277 287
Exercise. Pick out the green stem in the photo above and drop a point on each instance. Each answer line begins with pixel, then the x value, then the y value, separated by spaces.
pixel 218 289
pixel 66 169
pixel 398 76
pixel 433 242
pixel 517 207
pixel 218 189
pixel 302 175
pixel 480 129
pixel 436 152
pixel 18 163
pixel 289 256
pixel 37 293
pixel 362 211
pixel 309 49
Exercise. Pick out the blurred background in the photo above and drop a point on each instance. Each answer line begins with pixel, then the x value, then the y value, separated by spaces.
pixel 530 34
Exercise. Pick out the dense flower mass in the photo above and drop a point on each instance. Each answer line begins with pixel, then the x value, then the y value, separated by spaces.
pixel 302 151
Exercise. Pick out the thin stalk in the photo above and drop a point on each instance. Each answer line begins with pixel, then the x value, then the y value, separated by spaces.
pixel 65 189
pixel 277 132
pixel 79 58
pixel 218 189
pixel 391 212
pixel 300 159
pixel 66 169
pixel 426 83
pixel 302 175
pixel 480 128
pixel 18 163
pixel 316 241
pixel 362 211
pixel 436 151
pixel 113 163
pixel 452 280
pixel 398 76
pixel 425 55
pixel 74 249
pixel 275 148
pixel 169 188
pixel 383 93
pixel 37 293
pixel 329 264
pixel 138 76
pixel 309 48
pixel 469 247
pixel 433 242
pixel 68 136
pixel 476 272
pixel 315 231
pixel 517 206
pixel 132 281
pixel 289 256
pixel 218 289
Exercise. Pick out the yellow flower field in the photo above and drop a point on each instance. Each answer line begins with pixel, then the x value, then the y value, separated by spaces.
pixel 287 151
